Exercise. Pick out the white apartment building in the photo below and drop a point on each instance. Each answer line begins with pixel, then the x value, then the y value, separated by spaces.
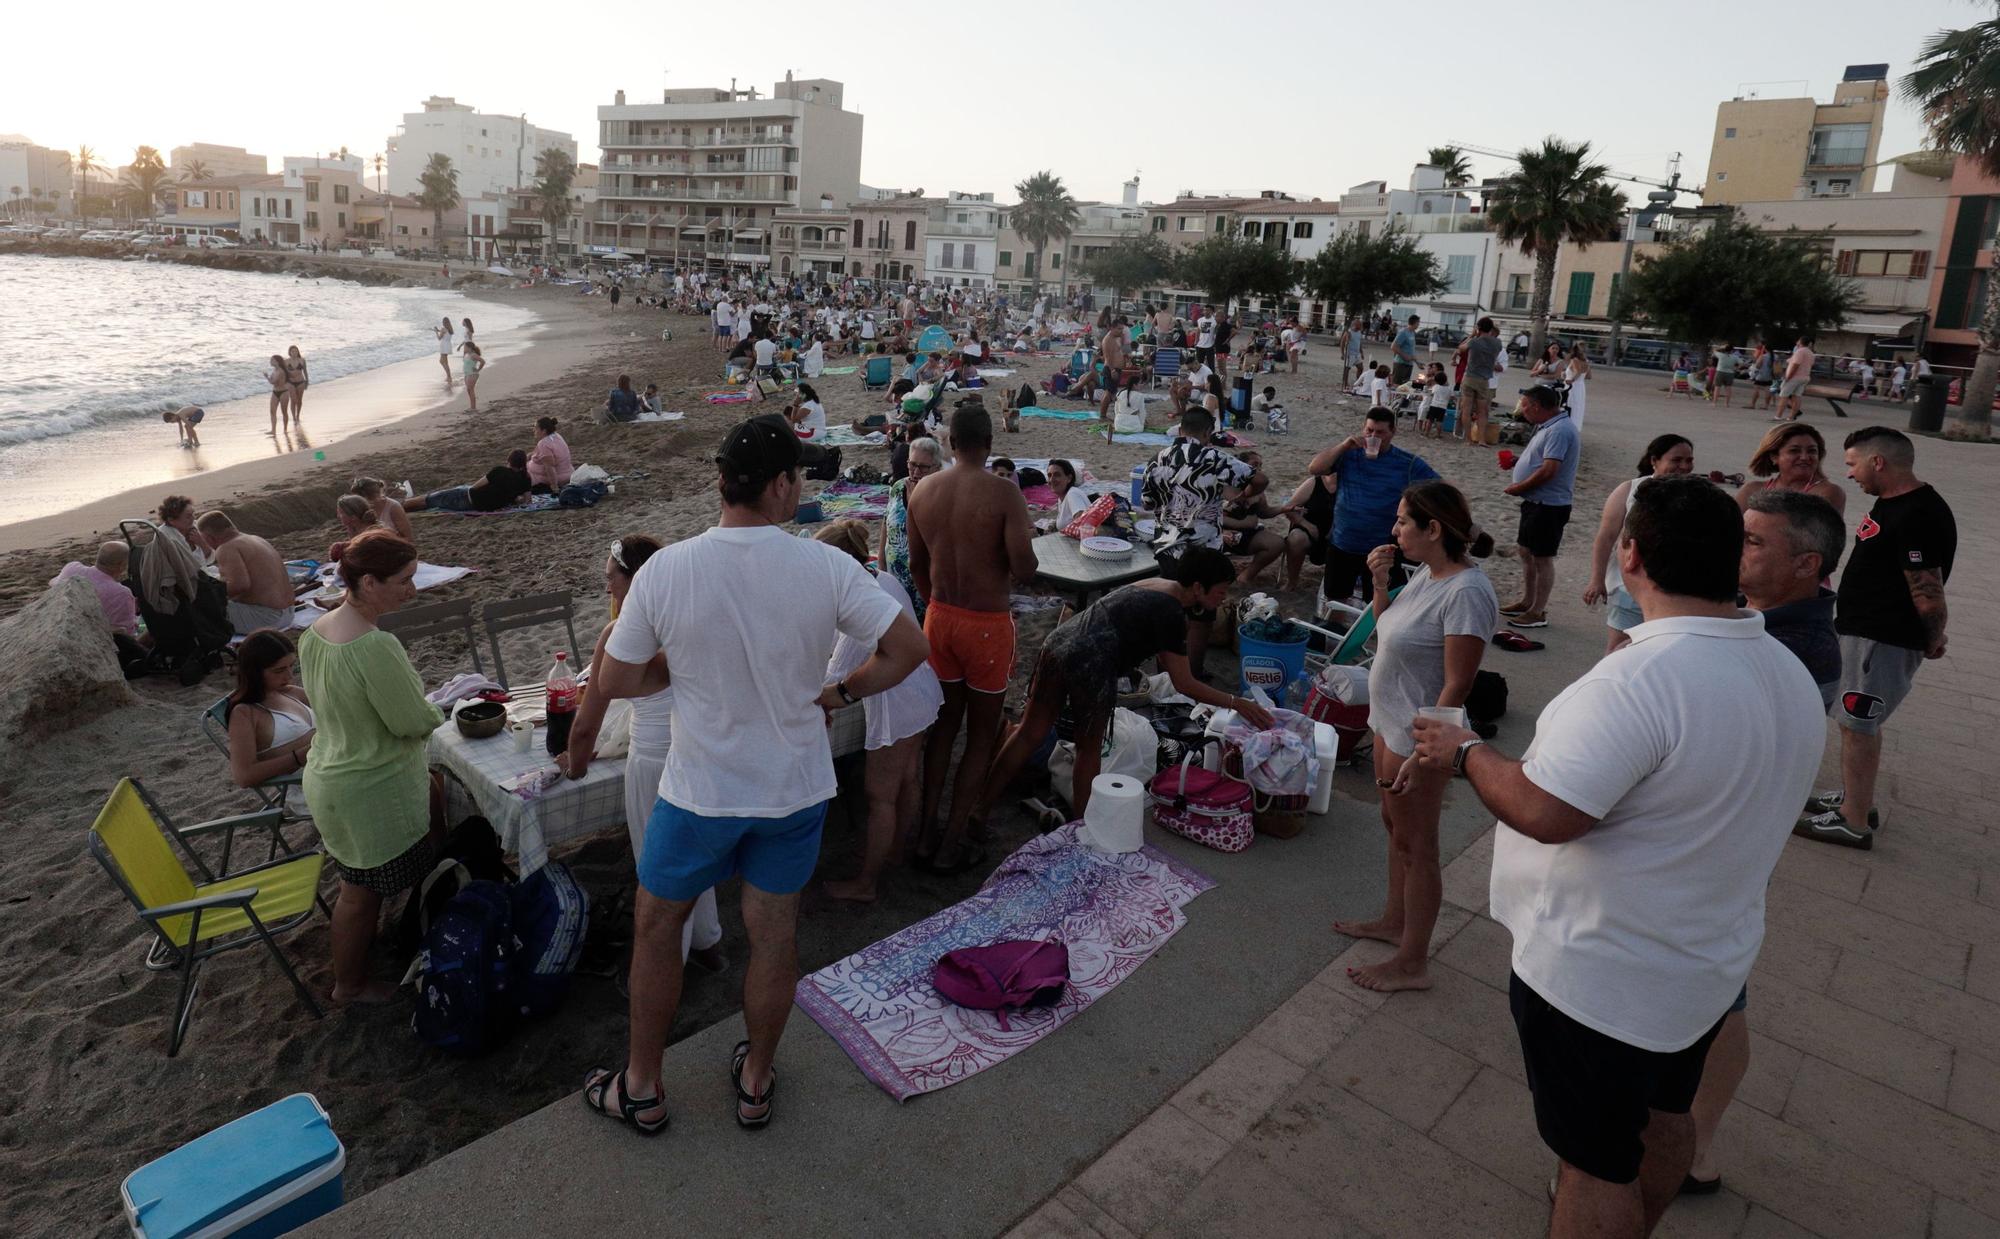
pixel 41 172
pixel 492 153
pixel 217 160
pixel 961 240
pixel 697 178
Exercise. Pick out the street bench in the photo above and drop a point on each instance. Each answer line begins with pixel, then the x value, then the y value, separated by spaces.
pixel 1836 394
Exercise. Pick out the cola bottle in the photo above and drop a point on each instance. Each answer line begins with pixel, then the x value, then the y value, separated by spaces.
pixel 562 695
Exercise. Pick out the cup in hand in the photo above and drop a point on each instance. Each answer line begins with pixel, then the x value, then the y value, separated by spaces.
pixel 1453 715
pixel 1371 446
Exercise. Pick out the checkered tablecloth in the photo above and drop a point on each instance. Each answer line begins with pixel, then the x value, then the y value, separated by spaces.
pixel 572 808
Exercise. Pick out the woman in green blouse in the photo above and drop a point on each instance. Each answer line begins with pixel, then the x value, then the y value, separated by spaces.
pixel 367 779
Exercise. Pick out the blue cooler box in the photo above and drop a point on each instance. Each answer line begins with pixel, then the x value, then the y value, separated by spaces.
pixel 264 1174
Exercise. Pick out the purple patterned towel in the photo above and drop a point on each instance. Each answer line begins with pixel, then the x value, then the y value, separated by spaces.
pixel 1111 911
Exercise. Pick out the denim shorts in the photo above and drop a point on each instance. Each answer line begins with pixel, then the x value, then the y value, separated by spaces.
pixel 686 853
pixel 450 499
pixel 1622 613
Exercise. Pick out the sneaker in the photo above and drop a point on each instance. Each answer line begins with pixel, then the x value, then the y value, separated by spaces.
pixel 1831 827
pixel 1529 619
pixel 1822 801
pixel 1514 608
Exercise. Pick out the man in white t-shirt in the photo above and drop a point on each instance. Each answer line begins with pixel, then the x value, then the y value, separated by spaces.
pixel 725 324
pixel 1204 339
pixel 1634 844
pixel 765 350
pixel 746 616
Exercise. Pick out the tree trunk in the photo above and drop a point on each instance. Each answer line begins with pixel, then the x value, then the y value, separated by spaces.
pixel 1538 302
pixel 437 232
pixel 1975 408
pixel 1041 256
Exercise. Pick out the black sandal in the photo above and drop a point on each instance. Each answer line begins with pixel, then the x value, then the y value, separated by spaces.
pixel 597 1088
pixel 743 1098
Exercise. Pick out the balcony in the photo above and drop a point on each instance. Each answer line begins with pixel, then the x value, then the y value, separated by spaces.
pixel 938 228
pixel 693 142
pixel 817 247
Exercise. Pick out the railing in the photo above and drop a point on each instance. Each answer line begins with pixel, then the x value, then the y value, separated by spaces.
pixel 688 143
pixel 823 247
pixel 938 228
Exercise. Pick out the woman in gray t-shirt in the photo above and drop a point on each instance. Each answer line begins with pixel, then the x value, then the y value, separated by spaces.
pixel 1428 642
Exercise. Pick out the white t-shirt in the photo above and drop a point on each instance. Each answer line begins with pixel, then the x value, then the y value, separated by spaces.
pixel 894 714
pixel 748 617
pixel 812 425
pixel 1074 504
pixel 1198 377
pixel 766 351
pixel 1694 747
pixel 1378 392
pixel 1206 333
pixel 1408 671
pixel 1438 395
pixel 725 314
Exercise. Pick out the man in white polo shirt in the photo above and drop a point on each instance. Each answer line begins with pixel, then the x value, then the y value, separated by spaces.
pixel 1635 841
pixel 745 616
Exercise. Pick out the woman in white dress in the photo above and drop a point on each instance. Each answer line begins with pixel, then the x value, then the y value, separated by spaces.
pixel 898 721
pixel 1577 374
pixel 646 756
pixel 447 343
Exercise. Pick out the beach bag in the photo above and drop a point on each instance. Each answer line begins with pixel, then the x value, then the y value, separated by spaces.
pixel 827 468
pixel 1131 748
pixel 582 494
pixel 1338 697
pixel 1094 515
pixel 551 915
pixel 1280 762
pixel 1486 704
pixel 465 971
pixel 1004 976
pixel 1206 806
pixel 1129 415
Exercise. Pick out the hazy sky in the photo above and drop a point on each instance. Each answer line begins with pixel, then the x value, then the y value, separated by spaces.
pixel 1221 98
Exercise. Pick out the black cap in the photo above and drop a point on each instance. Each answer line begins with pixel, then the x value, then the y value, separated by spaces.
pixel 763 447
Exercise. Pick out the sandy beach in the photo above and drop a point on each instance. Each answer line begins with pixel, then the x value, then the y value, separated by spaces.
pixel 85 1035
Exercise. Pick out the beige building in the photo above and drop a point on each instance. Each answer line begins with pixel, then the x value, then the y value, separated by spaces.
pixel 213 207
pixel 1770 149
pixel 304 206
pixel 697 178
pixel 885 238
pixel 217 161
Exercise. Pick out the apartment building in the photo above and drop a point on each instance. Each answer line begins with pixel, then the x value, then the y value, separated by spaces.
pixel 491 152
pixel 1769 149
pixel 392 220
pixel 216 160
pixel 311 202
pixel 885 237
pixel 961 239
pixel 213 207
pixel 42 173
pixel 698 178
pixel 1963 279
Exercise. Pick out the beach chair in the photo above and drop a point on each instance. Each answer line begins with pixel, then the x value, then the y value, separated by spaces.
pixel 437 619
pixel 191 921
pixel 1351 647
pixel 878 373
pixel 531 612
pixel 1080 362
pixel 1166 365
pixel 271 793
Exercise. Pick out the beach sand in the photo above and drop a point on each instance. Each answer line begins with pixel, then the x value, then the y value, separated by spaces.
pixel 83 1036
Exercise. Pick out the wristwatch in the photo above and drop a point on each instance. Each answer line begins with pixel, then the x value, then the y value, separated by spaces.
pixel 840 686
pixel 1458 758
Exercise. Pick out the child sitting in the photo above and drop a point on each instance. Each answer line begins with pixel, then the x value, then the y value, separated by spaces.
pixel 1275 418
pixel 1378 388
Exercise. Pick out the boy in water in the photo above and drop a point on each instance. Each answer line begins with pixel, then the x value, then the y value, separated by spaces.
pixel 185 419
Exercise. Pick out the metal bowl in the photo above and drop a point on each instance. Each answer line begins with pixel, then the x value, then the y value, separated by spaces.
pixel 481 720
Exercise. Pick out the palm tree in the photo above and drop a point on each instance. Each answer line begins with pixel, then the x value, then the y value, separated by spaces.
pixel 1956 85
pixel 1046 213
pixel 1556 194
pixel 13 198
pixel 144 178
pixel 86 163
pixel 555 172
pixel 439 193
pixel 196 170
pixel 1453 163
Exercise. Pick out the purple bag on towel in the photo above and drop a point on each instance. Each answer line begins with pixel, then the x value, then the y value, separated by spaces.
pixel 1004 975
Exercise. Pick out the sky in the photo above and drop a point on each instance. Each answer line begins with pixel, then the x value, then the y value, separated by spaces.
pixel 1187 94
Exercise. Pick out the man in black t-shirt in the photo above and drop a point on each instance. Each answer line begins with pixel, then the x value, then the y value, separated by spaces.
pixel 1890 616
pixel 502 487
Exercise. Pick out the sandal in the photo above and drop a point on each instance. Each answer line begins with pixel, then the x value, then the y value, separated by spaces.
pixel 743 1099
pixel 597 1089
pixel 1507 639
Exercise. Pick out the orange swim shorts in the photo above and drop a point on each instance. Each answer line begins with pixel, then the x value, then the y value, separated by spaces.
pixel 976 647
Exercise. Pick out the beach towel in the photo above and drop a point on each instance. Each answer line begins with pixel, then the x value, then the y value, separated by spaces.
pixel 845 436
pixel 991 372
pixel 1146 438
pixel 729 397
pixel 535 503
pixel 1044 496
pixel 860 501
pixel 1111 910
pixel 429 576
pixel 659 417
pixel 1060 415
pixel 840 370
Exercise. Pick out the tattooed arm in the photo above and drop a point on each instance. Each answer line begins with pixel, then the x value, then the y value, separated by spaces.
pixel 1927 592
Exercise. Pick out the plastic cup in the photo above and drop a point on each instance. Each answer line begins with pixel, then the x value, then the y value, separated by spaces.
pixel 1371 445
pixel 1454 715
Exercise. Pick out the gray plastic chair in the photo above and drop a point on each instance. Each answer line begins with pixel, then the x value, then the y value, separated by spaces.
pixel 435 620
pixel 530 612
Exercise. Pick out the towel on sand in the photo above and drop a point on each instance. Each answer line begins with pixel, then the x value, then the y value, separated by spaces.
pixel 659 417
pixel 1060 415
pixel 846 500
pixel 845 436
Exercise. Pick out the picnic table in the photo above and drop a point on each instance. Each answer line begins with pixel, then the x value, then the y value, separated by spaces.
pixel 1063 565
pixel 484 771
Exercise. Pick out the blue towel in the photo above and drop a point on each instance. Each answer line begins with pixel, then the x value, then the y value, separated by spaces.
pixel 1060 415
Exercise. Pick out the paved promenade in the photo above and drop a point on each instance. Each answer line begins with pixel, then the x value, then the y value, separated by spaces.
pixel 1237 1085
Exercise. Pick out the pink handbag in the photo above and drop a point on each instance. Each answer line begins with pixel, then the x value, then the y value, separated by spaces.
pixel 1206 806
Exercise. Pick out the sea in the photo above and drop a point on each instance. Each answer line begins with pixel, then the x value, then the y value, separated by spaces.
pixel 92 351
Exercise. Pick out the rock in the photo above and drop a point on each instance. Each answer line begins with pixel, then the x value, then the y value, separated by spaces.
pixel 58 667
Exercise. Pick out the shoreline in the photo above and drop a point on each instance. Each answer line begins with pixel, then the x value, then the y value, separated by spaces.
pixel 552 346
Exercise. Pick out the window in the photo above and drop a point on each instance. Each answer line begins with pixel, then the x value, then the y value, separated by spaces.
pixel 1186 223
pixel 1837 145
pixel 1892 264
pixel 1722 176
pixel 340 219
pixel 340 193
pixel 1006 258
pixel 312 219
pixel 312 191
pixel 1729 132
pixel 288 208
pixel 257 206
pixel 969 256
pixel 1458 274
pixel 1580 286
pixel 949 250
pixel 909 234
pixel 1159 223
pixel 1519 288
pixel 1253 229
pixel 1055 264
pixel 857 232
pixel 1075 252
pixel 1221 223
pixel 1301 231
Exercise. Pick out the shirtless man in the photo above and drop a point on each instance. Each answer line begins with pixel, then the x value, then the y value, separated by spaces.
pixel 1117 354
pixel 260 594
pixel 185 419
pixel 970 540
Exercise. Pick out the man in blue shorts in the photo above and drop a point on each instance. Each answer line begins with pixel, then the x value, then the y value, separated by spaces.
pixel 739 622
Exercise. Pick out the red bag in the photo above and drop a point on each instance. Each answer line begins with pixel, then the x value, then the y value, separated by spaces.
pixel 1093 516
pixel 1349 722
pixel 1206 806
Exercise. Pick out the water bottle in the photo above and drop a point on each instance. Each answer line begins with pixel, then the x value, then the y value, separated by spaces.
pixel 1138 488
pixel 562 695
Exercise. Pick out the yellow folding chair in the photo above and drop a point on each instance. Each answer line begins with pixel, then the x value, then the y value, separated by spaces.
pixel 192 921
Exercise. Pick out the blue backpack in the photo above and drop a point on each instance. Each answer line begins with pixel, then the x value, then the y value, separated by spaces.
pixel 465 981
pixel 551 915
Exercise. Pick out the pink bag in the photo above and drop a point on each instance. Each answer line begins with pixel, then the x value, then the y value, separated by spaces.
pixel 1206 806
pixel 1004 975
pixel 1091 517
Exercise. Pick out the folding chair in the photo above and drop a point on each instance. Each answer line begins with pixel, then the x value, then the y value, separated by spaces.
pixel 1166 365
pixel 437 619
pixel 191 921
pixel 878 373
pixel 271 793
pixel 530 612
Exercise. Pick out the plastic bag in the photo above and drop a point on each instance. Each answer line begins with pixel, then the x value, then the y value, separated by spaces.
pixel 1280 761
pixel 1131 747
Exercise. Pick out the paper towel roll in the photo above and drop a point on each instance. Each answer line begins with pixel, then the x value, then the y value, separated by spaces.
pixel 1116 818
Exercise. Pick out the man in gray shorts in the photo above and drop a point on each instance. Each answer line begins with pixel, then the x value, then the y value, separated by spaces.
pixel 1798 372
pixel 1890 616
pixel 1475 395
